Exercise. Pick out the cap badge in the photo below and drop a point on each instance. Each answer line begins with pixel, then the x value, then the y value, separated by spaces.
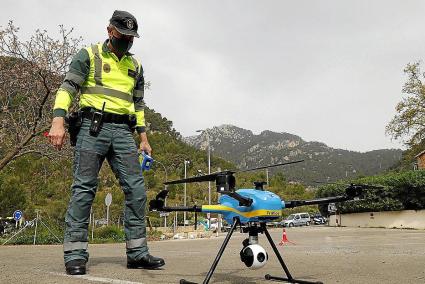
pixel 130 24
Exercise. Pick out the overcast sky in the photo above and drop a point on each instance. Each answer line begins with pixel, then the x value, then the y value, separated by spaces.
pixel 329 71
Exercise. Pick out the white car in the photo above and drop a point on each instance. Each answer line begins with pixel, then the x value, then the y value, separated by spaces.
pixel 214 224
pixel 297 219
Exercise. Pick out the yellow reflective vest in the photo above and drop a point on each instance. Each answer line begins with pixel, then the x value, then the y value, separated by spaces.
pixel 117 83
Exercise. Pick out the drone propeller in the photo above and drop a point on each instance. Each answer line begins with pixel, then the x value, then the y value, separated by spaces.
pixel 325 182
pixel 367 186
pixel 270 166
pixel 209 177
pixel 355 190
pixel 213 176
pixel 364 186
pixel 352 192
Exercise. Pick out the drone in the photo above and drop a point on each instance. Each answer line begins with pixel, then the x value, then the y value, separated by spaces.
pixel 250 209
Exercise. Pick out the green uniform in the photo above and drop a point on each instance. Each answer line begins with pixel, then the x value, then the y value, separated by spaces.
pixel 100 77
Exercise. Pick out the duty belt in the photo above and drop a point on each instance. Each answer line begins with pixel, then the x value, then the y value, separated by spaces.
pixel 108 117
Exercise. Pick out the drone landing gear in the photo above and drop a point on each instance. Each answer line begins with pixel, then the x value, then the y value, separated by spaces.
pixel 289 277
pixel 253 231
pixel 236 222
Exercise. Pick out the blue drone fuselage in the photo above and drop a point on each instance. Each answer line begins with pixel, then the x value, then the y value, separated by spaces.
pixel 266 206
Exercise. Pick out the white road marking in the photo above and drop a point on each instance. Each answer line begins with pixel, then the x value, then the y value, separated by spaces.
pixel 96 279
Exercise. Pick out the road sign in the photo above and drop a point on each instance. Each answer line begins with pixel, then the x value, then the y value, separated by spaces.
pixel 164 214
pixel 108 199
pixel 17 215
pixel 332 207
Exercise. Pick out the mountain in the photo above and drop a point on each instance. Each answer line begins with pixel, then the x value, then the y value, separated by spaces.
pixel 322 163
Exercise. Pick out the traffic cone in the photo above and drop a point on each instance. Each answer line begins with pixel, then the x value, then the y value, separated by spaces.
pixel 285 240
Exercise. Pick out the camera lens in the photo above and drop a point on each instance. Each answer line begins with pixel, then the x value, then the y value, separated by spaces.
pixel 261 257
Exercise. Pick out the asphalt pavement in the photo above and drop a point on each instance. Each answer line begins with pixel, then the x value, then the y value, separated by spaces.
pixel 330 255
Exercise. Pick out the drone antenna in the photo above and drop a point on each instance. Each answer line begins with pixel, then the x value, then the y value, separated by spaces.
pixel 259 185
pixel 327 182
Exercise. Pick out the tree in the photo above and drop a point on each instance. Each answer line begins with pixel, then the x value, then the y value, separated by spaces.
pixel 409 122
pixel 12 196
pixel 30 73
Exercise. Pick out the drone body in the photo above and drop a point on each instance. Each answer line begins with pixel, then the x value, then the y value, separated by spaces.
pixel 266 207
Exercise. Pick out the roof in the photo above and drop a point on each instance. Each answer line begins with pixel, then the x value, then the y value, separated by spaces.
pixel 420 154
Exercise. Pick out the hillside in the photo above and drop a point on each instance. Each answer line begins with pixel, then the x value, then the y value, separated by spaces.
pixel 322 163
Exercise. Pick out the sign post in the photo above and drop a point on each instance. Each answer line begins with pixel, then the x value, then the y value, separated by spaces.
pixel 108 201
pixel 36 225
pixel 17 215
pixel 332 209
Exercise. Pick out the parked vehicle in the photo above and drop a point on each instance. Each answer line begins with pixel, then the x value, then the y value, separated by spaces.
pixel 273 224
pixel 318 219
pixel 297 219
pixel 214 224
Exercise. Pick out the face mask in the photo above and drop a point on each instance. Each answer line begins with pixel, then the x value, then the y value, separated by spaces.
pixel 121 45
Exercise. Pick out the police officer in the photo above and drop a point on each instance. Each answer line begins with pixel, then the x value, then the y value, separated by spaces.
pixel 111 85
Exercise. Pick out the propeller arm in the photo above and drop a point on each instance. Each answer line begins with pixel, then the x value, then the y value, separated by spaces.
pixel 243 201
pixel 324 200
pixel 352 192
pixel 182 208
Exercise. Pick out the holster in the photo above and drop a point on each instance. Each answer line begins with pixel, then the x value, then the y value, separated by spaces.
pixel 74 121
pixel 132 121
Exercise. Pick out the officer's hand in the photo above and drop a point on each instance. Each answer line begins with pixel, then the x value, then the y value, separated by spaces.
pixel 144 146
pixel 57 132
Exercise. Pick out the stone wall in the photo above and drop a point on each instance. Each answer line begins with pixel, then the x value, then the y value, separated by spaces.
pixel 388 219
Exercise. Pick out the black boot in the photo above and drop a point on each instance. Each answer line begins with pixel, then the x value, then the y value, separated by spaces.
pixel 76 267
pixel 146 262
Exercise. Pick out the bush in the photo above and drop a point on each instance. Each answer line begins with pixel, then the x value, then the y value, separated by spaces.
pixel 114 234
pixel 154 235
pixel 26 237
pixel 109 234
pixel 401 191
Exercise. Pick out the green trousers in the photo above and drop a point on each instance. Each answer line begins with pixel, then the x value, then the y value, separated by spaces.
pixel 115 143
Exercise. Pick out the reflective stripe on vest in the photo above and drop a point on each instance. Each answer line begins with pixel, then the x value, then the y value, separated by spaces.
pixel 108 92
pixel 110 80
pixel 136 93
pixel 97 65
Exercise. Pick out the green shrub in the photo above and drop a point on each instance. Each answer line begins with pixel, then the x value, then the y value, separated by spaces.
pixel 154 235
pixel 109 234
pixel 27 237
pixel 114 234
pixel 401 191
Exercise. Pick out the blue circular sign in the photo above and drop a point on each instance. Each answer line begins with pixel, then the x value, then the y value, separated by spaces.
pixel 17 215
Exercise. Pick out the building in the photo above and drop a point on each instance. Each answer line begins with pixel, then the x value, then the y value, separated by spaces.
pixel 420 160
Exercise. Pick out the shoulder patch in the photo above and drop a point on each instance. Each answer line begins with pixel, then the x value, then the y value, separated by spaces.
pixel 106 68
pixel 132 73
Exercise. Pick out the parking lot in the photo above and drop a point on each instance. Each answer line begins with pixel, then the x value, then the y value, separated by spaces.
pixel 331 255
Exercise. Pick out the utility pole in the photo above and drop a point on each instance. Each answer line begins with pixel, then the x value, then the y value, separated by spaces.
pixel 209 170
pixel 267 177
pixel 185 176
pixel 165 187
